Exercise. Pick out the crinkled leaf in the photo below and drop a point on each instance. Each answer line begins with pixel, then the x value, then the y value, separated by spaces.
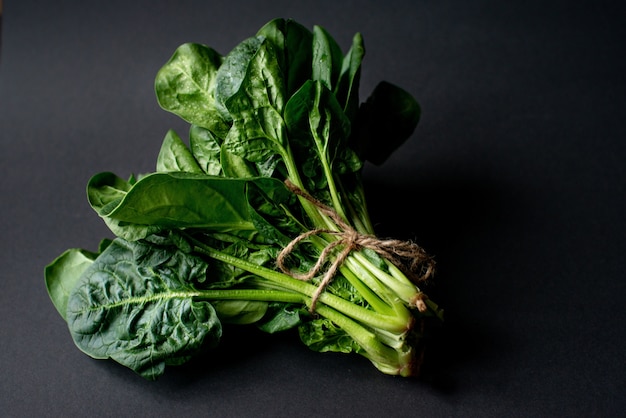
pixel 323 335
pixel 135 304
pixel 205 148
pixel 257 135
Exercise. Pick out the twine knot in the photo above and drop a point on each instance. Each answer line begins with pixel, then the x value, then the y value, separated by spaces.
pixel 409 257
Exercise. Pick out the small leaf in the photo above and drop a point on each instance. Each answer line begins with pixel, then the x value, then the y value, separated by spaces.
pixel 327 58
pixel 63 273
pixel 280 317
pixel 347 89
pixel 206 150
pixel 240 312
pixel 175 156
pixel 323 335
pixel 105 192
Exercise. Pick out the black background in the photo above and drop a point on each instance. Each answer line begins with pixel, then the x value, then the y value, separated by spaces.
pixel 514 180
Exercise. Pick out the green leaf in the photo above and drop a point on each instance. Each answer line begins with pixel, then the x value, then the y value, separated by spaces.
pixel 319 130
pixel 175 156
pixel 323 335
pixel 281 317
pixel 385 121
pixel 205 148
pixel 267 212
pixel 183 200
pixel 327 58
pixel 62 274
pixel 235 165
pixel 233 70
pixel 259 81
pixel 179 200
pixel 185 86
pixel 135 305
pixel 347 89
pixel 294 50
pixel 256 136
pixel 240 312
pixel 105 192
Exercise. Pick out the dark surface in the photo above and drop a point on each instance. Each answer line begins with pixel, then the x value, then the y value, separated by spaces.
pixel 514 180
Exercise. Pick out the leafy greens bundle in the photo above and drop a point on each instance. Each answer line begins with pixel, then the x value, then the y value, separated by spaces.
pixel 259 218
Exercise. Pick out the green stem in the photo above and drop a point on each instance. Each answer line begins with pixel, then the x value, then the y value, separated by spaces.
pixel 263 295
pixel 371 318
pixel 395 361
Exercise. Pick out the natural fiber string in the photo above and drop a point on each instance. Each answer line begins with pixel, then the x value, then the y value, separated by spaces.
pixel 409 257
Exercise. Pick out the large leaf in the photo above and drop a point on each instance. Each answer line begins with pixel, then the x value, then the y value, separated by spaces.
pixel 105 191
pixel 233 71
pixel 178 200
pixel 185 86
pixel 135 304
pixel 387 119
pixel 319 130
pixel 293 43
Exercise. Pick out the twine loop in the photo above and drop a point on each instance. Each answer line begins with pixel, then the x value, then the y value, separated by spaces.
pixel 409 257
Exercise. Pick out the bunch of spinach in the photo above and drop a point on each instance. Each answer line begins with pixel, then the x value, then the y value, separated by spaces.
pixel 274 156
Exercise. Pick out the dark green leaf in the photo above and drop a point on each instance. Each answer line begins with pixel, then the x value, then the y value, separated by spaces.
pixel 347 89
pixel 387 119
pixel 281 317
pixel 233 71
pixel 135 305
pixel 327 58
pixel 294 50
pixel 105 192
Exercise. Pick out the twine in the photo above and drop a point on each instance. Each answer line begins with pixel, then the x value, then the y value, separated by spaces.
pixel 409 257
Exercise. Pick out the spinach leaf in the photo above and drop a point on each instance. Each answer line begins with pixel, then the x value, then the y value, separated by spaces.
pixel 293 43
pixel 135 305
pixel 205 148
pixel 347 89
pixel 63 273
pixel 105 191
pixel 175 156
pixel 185 86
pixel 323 335
pixel 327 58
pixel 387 119
pixel 178 200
